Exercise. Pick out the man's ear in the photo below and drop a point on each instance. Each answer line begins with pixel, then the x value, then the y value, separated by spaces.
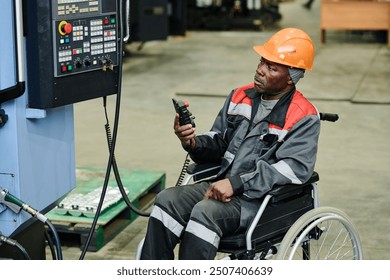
pixel 290 82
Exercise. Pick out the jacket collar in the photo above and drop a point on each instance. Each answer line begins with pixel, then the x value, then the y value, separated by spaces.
pixel 251 93
pixel 278 113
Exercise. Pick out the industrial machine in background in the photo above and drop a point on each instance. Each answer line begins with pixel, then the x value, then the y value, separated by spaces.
pixel 232 14
pixel 157 19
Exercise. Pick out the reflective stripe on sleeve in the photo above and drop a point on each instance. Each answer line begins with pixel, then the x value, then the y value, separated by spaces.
pixel 229 156
pixel 283 168
pixel 209 134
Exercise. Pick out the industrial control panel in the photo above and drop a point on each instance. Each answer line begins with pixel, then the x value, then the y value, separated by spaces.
pixel 72 50
pixel 85 38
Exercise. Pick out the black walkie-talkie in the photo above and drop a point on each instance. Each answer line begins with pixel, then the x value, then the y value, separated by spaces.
pixel 185 116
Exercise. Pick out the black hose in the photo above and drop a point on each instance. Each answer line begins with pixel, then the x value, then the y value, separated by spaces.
pixel 117 174
pixel 14 243
pixel 56 239
pixel 22 251
pixel 115 132
pixel 51 245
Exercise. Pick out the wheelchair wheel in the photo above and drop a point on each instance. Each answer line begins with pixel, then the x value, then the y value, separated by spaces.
pixel 323 233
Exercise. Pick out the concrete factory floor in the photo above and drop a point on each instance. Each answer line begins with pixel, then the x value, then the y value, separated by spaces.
pixel 351 77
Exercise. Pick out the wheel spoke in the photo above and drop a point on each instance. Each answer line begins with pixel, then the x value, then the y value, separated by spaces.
pixel 324 233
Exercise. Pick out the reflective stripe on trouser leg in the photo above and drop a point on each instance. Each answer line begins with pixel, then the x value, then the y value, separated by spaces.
pixel 159 242
pixel 170 214
pixel 210 219
pixel 169 222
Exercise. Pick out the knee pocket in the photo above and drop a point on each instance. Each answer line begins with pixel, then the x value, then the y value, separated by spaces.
pixel 165 197
pixel 219 216
pixel 206 209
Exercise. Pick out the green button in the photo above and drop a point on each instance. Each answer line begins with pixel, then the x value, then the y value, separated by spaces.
pixel 70 67
pixel 113 20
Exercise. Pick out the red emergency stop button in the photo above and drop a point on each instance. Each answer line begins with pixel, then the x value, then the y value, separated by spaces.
pixel 68 28
pixel 65 27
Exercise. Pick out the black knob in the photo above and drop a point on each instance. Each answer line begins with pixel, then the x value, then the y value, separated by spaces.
pixel 78 63
pixel 87 62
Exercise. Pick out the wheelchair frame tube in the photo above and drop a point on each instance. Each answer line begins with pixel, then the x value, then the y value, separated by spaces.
pixel 253 225
pixel 315 195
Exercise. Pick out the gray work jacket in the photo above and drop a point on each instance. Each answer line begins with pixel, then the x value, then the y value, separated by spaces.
pixel 280 149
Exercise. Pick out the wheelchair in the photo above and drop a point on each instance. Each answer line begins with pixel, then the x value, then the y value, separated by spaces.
pixel 289 225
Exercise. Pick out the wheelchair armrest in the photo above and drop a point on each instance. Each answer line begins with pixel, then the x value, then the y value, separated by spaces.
pixel 204 170
pixel 280 192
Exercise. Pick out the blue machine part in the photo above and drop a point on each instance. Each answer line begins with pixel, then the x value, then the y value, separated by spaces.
pixel 37 153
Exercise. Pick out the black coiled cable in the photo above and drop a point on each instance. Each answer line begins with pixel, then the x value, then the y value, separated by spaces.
pixel 183 170
pixel 116 122
pixel 115 168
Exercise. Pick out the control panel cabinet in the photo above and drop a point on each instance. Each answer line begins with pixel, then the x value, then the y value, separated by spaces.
pixel 72 51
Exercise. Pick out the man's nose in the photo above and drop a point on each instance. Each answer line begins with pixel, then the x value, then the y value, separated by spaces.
pixel 259 69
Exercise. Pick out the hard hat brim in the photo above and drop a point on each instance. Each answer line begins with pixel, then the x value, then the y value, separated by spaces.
pixel 260 50
pixel 263 53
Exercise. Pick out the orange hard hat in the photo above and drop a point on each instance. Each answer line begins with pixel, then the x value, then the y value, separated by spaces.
pixel 289 46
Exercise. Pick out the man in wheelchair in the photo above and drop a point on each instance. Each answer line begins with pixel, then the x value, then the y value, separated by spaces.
pixel 266 134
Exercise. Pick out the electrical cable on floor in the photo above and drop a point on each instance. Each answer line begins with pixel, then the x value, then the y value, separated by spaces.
pixel 115 167
pixel 56 238
pixel 113 143
pixel 50 244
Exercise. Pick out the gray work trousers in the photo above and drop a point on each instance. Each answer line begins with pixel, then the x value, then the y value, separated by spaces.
pixel 180 214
